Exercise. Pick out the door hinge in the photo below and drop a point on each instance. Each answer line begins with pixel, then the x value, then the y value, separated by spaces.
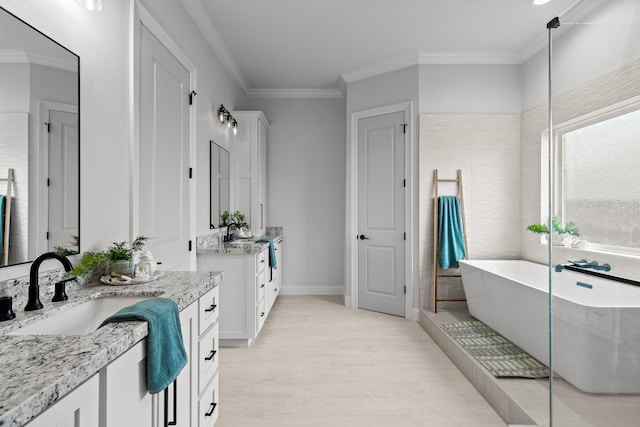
pixel 405 289
pixel 48 125
pixel 404 183
pixel 48 182
pixel 190 173
pixel 405 236
pixel 47 235
pixel 190 245
pixel 192 94
pixel 404 127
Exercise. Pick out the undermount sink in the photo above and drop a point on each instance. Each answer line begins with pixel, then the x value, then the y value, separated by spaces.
pixel 81 319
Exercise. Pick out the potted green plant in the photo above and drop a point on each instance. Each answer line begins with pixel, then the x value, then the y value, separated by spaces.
pixel 118 258
pixel 559 235
pixel 233 221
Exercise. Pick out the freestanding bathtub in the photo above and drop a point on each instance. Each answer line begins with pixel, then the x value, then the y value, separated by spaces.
pixel 596 322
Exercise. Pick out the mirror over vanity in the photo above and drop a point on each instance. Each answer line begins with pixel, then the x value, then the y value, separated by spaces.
pixel 219 183
pixel 39 143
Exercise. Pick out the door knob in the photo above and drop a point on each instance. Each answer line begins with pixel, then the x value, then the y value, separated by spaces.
pixel 363 237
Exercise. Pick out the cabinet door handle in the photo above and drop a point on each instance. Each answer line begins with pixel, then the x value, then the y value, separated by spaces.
pixel 211 409
pixel 211 355
pixel 212 307
pixel 175 405
pixel 262 314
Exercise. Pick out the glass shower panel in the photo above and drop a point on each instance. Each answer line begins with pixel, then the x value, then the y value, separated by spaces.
pixel 594 195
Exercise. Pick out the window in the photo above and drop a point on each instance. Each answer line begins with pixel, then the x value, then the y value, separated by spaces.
pixel 597 178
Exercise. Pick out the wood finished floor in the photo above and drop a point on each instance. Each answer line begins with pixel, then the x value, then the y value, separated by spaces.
pixel 318 363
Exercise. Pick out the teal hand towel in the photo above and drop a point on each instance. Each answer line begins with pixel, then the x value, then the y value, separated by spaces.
pixel 451 246
pixel 166 355
pixel 273 262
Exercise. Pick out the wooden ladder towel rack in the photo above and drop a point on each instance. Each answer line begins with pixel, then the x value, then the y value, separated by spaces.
pixel 7 218
pixel 436 269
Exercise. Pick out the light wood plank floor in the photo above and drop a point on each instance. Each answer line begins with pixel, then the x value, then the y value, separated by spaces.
pixel 318 363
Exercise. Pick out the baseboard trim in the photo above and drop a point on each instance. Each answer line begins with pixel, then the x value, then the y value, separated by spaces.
pixel 312 290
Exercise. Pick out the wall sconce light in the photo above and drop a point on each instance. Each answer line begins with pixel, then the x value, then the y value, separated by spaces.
pixel 224 116
pixel 91 5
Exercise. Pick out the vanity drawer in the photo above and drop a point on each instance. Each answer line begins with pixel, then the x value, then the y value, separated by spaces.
pixel 261 286
pixel 261 261
pixel 208 405
pixel 208 356
pixel 208 310
pixel 261 313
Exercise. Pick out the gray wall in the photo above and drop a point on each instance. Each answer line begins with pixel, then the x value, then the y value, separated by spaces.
pixel 306 191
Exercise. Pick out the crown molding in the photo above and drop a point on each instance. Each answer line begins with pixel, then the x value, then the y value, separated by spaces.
pixel 19 56
pixel 295 93
pixel 377 69
pixel 480 58
pixel 575 13
pixel 572 15
pixel 201 17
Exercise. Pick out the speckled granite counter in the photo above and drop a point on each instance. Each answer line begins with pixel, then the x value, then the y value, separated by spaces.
pixel 37 371
pixel 212 243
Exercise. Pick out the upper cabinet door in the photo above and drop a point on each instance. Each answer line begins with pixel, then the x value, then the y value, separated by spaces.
pixel 251 155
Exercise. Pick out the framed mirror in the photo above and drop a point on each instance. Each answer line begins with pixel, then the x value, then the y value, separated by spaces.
pixel 39 144
pixel 219 183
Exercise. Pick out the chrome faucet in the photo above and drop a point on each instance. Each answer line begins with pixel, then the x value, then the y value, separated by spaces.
pixel 34 289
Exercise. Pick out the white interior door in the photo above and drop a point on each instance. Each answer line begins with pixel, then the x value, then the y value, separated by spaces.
pixel 381 247
pixel 163 165
pixel 63 183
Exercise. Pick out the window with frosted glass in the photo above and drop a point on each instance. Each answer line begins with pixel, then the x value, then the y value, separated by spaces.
pixel 601 180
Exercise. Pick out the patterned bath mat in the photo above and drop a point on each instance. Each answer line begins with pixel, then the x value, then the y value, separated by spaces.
pixel 497 354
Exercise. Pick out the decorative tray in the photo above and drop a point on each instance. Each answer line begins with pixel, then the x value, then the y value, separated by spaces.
pixel 117 281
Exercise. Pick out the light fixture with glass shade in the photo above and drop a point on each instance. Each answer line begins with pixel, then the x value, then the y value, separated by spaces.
pixel 91 5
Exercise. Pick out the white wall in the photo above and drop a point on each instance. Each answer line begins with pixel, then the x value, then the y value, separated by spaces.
pixel 305 191
pixel 470 89
pixel 104 43
pixel 473 124
pixel 595 66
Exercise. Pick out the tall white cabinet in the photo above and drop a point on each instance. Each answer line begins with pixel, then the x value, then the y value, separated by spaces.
pixel 251 168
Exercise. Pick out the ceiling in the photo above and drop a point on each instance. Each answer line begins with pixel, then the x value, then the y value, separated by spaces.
pixel 280 47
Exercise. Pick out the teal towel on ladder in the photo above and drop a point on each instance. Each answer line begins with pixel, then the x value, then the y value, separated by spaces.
pixel 273 262
pixel 451 247
pixel 166 355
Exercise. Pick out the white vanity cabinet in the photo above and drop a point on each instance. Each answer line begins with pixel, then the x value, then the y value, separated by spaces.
pixel 124 398
pixel 208 342
pixel 251 168
pixel 245 294
pixel 77 409
pixel 273 276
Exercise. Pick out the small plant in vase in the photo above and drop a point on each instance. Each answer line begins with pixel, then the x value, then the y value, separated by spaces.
pixel 559 235
pixel 233 221
pixel 118 258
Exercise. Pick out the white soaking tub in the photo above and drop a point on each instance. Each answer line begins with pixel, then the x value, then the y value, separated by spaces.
pixel 596 322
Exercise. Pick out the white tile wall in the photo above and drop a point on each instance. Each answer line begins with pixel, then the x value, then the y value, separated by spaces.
pixel 487 150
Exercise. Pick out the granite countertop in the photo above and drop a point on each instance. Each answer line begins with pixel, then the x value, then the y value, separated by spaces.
pixel 243 246
pixel 37 371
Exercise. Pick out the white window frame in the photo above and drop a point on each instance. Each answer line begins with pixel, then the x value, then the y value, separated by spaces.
pixel 618 109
